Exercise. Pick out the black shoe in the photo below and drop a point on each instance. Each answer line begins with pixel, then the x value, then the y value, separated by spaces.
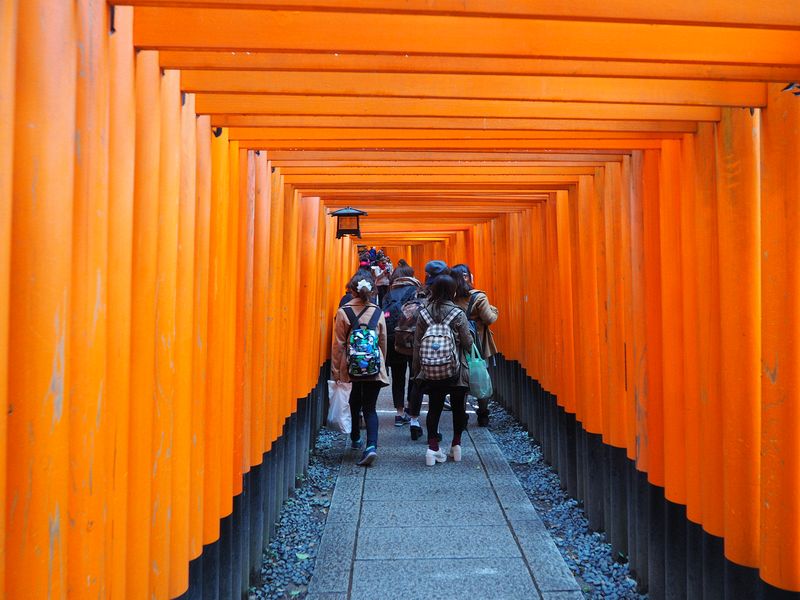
pixel 416 432
pixel 483 417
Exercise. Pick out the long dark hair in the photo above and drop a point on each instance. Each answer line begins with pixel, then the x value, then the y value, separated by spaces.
pixel 463 277
pixel 403 270
pixel 443 288
pixel 364 293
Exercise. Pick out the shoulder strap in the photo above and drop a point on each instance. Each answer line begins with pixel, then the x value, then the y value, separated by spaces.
pixel 351 315
pixel 409 294
pixel 451 316
pixel 470 304
pixel 426 316
pixel 376 316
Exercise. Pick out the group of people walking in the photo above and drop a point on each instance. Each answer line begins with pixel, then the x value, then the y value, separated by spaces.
pixel 427 329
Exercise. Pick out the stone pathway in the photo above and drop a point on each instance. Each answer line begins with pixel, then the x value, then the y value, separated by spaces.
pixel 401 529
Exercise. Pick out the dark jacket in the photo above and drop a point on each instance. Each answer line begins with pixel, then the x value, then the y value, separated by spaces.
pixel 461 333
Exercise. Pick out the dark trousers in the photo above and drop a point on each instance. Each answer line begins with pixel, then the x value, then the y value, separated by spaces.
pixel 436 405
pixel 363 398
pixel 382 291
pixel 399 364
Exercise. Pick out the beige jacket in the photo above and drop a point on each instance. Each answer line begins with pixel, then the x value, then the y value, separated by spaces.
pixel 341 331
pixel 484 314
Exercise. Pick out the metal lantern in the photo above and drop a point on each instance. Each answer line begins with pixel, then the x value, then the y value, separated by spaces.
pixel 347 221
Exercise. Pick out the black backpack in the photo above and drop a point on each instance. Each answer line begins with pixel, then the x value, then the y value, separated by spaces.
pixel 393 305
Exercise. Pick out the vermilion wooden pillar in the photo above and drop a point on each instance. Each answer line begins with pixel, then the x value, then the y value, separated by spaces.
pixel 669 223
pixel 216 336
pixel 739 215
pixel 200 337
pixel 261 249
pixel 88 401
pixel 39 309
pixel 121 159
pixel 184 351
pixel 8 41
pixel 708 329
pixel 780 352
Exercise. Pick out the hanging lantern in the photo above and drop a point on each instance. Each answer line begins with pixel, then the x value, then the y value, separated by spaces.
pixel 347 221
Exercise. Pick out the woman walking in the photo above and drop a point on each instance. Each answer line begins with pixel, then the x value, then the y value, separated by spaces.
pixel 402 288
pixel 358 355
pixel 439 366
pixel 481 313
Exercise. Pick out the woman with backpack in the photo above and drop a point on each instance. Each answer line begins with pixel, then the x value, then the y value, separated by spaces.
pixel 358 355
pixel 481 314
pixel 439 366
pixel 402 288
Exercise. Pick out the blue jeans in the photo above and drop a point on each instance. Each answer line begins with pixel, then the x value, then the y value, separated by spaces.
pixel 363 398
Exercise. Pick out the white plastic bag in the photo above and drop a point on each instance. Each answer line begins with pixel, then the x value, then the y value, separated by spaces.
pixel 339 409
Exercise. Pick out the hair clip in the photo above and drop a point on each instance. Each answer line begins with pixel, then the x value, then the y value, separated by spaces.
pixel 363 283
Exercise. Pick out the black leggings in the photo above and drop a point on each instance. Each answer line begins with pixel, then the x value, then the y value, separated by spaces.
pixel 435 407
pixel 362 399
pixel 399 364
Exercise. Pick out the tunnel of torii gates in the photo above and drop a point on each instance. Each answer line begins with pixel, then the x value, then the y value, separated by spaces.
pixel 622 177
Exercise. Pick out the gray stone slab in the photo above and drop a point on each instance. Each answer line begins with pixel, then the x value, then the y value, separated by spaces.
pixel 328 596
pixel 394 466
pixel 427 513
pixel 453 489
pixel 547 564
pixel 573 595
pixel 524 511
pixel 496 464
pixel 511 494
pixel 425 476
pixel 346 501
pixel 436 542
pixel 443 579
pixel 335 555
pixel 482 437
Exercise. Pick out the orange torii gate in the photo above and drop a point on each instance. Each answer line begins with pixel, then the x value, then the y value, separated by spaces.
pixel 622 177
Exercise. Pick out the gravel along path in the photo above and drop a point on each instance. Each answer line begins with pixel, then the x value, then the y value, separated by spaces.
pixel 289 560
pixel 586 553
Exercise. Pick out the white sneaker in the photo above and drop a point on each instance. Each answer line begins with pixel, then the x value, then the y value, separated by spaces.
pixel 434 456
pixel 455 453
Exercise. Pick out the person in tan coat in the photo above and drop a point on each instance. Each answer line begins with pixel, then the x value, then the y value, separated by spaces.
pixel 483 314
pixel 364 394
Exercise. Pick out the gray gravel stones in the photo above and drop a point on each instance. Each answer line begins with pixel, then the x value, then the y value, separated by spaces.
pixel 585 552
pixel 289 560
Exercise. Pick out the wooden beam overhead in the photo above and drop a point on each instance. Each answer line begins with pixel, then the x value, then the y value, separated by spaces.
pixel 448 123
pixel 484 87
pixel 296 31
pixel 292 166
pixel 471 171
pixel 456 144
pixel 426 156
pixel 244 104
pixel 307 133
pixel 504 65
pixel 775 13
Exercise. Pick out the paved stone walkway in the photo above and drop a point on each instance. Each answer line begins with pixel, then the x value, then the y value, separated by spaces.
pixel 401 529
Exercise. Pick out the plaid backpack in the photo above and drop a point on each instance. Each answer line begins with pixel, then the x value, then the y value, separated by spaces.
pixel 363 349
pixel 438 353
pixel 406 327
